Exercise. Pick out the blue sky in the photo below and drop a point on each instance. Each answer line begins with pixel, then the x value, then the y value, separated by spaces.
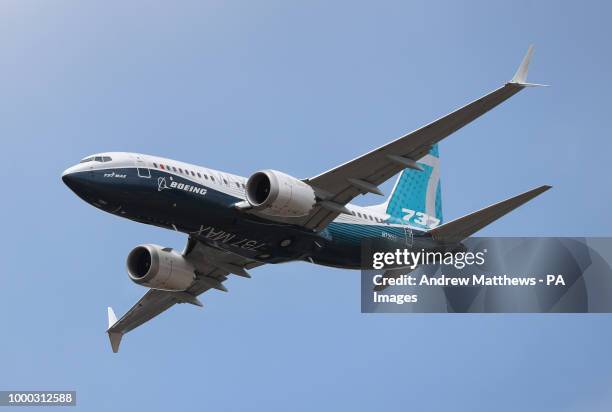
pixel 298 87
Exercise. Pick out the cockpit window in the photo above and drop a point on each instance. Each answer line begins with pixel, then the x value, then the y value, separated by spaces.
pixel 96 159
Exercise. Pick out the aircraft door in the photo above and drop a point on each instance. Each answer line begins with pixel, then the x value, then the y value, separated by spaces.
pixel 142 168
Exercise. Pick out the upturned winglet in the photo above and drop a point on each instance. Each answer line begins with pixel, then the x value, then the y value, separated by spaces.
pixel 520 77
pixel 112 318
pixel 115 337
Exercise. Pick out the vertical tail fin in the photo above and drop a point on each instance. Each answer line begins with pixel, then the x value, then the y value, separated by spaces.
pixel 416 198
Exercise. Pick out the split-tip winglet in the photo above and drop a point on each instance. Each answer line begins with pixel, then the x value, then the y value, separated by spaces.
pixel 520 77
pixel 112 318
pixel 115 337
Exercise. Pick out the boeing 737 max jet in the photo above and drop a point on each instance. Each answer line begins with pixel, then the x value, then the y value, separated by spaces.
pixel 235 224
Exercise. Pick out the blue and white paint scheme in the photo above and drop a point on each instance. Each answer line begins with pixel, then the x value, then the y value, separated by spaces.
pixel 236 223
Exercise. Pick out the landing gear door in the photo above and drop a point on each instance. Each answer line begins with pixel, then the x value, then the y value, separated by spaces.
pixel 142 168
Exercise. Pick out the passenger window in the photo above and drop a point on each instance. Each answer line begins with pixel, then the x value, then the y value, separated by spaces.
pixel 174 168
pixel 212 178
pixel 180 170
pixel 192 174
pixel 225 181
pixel 199 175
pixel 237 184
pixel 155 165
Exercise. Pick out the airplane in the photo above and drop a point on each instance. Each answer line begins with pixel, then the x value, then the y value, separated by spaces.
pixel 235 224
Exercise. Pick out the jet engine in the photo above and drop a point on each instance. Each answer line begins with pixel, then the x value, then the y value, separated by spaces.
pixel 275 193
pixel 159 268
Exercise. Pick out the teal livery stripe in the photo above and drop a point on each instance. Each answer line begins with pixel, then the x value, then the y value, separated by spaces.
pixel 354 232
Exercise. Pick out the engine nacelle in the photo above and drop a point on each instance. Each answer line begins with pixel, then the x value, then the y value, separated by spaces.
pixel 278 194
pixel 159 268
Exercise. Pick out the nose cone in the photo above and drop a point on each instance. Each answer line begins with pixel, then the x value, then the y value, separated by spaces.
pixel 78 180
pixel 90 187
pixel 66 174
pixel 67 178
pixel 74 180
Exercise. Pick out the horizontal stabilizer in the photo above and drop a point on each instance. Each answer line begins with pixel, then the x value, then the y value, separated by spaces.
pixel 459 229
